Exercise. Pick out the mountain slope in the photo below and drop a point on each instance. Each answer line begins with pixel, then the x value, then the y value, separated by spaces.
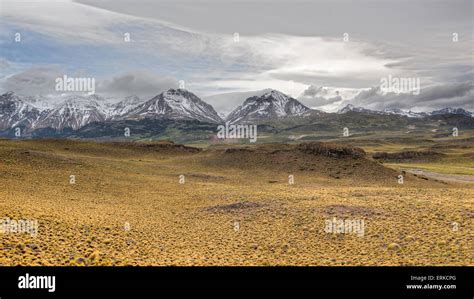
pixel 16 112
pixel 450 110
pixel 75 112
pixel 124 107
pixel 175 104
pixel 272 104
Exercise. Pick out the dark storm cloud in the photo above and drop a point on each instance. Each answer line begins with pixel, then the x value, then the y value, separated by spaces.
pixel 432 97
pixel 140 83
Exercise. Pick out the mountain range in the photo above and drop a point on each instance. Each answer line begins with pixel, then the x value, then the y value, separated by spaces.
pixel 396 111
pixel 74 112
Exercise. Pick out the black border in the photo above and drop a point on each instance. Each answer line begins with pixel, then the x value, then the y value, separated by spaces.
pixel 237 282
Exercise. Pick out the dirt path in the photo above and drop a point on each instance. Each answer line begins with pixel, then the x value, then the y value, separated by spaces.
pixel 458 178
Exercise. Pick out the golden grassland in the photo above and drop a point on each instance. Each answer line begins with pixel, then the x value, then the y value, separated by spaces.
pixel 127 207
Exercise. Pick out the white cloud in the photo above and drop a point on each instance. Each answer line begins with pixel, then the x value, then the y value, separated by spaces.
pixel 275 57
pixel 327 99
pixel 214 62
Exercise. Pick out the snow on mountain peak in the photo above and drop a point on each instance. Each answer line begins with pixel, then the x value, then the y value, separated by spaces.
pixel 16 112
pixel 271 104
pixel 451 110
pixel 350 107
pixel 176 104
pixel 75 111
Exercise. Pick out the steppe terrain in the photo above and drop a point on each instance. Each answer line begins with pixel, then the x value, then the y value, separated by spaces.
pixel 159 203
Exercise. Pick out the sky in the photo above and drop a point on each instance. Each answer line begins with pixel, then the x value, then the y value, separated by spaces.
pixel 324 53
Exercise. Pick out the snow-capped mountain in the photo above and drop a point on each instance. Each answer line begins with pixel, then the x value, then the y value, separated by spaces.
pixel 75 112
pixel 225 103
pixel 407 113
pixel 271 104
pixel 451 110
pixel 352 108
pixel 16 112
pixel 175 104
pixel 124 107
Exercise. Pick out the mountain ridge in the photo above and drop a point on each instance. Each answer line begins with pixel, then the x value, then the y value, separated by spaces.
pixel 76 111
pixel 408 113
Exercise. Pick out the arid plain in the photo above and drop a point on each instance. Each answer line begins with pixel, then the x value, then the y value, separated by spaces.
pixel 159 203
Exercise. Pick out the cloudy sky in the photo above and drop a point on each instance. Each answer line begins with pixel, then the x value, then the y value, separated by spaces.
pixel 325 53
